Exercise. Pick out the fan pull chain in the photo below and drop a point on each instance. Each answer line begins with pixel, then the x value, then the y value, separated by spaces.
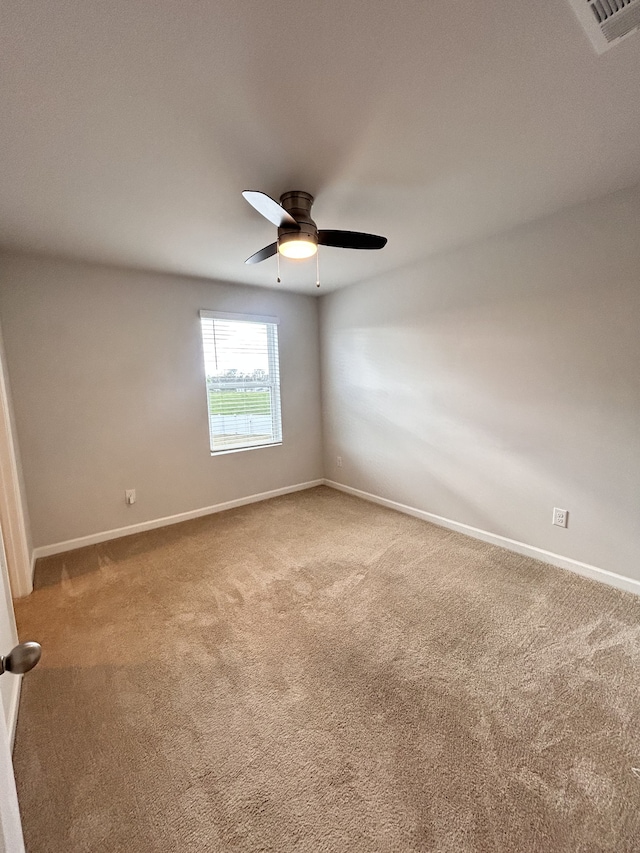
pixel 278 259
pixel 317 269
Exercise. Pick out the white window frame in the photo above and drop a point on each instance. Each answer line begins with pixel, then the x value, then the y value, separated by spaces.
pixel 273 353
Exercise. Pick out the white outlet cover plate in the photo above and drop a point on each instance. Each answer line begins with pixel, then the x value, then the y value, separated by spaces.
pixel 560 517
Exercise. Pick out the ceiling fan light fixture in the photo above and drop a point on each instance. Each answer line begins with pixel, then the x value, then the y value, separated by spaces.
pixel 298 235
pixel 297 246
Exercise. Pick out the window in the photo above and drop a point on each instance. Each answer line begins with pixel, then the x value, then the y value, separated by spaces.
pixel 243 380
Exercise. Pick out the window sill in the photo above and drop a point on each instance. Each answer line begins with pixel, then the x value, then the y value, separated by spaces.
pixel 243 449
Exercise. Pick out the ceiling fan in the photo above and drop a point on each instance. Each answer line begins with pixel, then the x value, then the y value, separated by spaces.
pixel 298 234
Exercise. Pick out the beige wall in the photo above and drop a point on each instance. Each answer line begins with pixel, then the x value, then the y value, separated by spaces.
pixel 108 387
pixel 491 384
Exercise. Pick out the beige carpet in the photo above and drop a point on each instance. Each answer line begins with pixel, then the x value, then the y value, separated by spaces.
pixel 316 673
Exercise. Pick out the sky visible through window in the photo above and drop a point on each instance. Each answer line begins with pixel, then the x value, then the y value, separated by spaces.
pixel 241 346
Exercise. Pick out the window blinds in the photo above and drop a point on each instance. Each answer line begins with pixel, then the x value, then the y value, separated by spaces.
pixel 242 380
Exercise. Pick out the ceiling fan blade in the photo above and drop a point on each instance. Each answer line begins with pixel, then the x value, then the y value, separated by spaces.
pixel 268 252
pixel 270 209
pixel 351 240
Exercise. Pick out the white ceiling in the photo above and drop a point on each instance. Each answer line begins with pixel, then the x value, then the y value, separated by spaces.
pixel 129 128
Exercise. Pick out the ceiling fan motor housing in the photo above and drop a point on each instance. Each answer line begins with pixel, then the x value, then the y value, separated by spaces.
pixel 298 204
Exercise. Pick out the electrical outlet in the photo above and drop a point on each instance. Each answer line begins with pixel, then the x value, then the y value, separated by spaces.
pixel 560 517
pixel 339 461
pixel 130 496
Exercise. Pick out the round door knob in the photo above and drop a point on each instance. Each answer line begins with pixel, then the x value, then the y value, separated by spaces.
pixel 21 659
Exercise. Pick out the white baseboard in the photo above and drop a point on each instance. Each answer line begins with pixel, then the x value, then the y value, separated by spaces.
pixel 104 536
pixel 584 569
pixel 14 705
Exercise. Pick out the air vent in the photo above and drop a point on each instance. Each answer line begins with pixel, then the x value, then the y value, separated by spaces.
pixel 607 22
